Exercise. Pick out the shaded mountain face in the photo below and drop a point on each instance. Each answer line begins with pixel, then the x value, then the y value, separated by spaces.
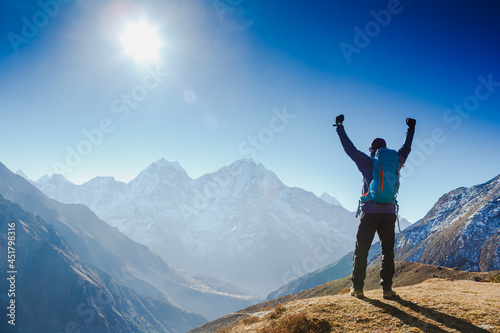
pixel 240 224
pixel 462 230
pixel 129 262
pixel 56 291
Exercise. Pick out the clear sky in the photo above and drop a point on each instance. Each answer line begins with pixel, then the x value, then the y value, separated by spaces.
pixel 249 78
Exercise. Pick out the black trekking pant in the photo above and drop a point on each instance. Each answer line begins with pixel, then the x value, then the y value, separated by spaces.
pixel 383 224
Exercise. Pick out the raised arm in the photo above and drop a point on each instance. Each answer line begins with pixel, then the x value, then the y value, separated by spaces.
pixel 360 158
pixel 404 151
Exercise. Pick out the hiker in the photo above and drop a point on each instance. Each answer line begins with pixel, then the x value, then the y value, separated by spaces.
pixel 375 216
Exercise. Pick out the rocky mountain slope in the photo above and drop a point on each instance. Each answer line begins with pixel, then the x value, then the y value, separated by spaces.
pixel 462 230
pixel 229 224
pixel 451 301
pixel 129 262
pixel 54 290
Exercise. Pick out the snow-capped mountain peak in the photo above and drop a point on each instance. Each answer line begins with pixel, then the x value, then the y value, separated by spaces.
pixel 56 180
pixel 161 171
pixel 240 167
pixel 102 180
pixel 53 179
pixel 166 167
pixel 228 223
pixel 164 164
pixel 330 200
pixel 60 178
pixel 246 167
pixel 22 174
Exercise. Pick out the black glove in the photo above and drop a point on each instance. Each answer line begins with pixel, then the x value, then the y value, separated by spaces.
pixel 410 122
pixel 339 120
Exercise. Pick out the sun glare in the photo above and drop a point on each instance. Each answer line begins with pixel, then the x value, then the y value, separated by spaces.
pixel 141 41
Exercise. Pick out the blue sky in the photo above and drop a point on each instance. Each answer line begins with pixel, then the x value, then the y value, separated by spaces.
pixel 261 79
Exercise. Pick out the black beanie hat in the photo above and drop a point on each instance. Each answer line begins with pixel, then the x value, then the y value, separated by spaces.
pixel 377 144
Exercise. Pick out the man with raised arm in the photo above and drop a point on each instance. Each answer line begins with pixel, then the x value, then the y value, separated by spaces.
pixel 378 205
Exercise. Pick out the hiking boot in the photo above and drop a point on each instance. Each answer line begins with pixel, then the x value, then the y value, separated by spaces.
pixel 390 294
pixel 357 293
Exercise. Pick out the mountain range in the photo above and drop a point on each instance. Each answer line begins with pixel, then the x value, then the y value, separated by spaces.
pixel 462 231
pixel 104 280
pixel 240 224
pixel 54 290
pixel 129 263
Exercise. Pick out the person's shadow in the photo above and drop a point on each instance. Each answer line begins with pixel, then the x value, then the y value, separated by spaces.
pixel 436 316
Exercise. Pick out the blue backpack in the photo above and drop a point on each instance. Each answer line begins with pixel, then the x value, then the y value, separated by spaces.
pixel 385 184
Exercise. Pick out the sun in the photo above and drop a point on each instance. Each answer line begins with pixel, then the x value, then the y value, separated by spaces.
pixel 141 41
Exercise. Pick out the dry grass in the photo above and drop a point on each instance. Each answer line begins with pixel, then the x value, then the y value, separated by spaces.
pixel 437 305
pixel 406 274
pixel 297 323
pixel 495 279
